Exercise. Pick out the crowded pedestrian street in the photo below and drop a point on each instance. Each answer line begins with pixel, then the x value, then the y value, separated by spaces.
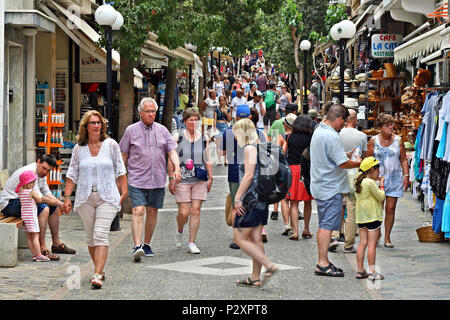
pixel 412 270
pixel 225 158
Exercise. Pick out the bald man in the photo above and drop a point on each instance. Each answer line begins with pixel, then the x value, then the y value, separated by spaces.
pixel 351 138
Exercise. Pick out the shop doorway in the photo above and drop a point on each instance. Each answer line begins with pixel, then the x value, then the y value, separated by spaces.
pixel 15 107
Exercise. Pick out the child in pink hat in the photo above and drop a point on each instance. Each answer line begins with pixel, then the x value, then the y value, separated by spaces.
pixel 28 198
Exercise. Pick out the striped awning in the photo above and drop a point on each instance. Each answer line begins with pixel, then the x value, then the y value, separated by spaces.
pixel 422 45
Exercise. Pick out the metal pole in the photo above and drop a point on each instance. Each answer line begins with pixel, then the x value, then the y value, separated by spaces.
pixel 305 94
pixel 341 70
pixel 108 30
pixel 219 64
pixel 190 82
pixel 115 225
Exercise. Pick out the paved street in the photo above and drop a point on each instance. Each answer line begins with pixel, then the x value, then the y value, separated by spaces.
pixel 412 270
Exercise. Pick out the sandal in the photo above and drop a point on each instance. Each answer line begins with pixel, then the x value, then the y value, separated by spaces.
pixel 51 256
pixel 62 248
pixel 269 273
pixel 248 283
pixel 376 276
pixel 306 235
pixel 329 271
pixel 362 275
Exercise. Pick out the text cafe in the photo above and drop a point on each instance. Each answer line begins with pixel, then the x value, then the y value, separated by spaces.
pixel 383 45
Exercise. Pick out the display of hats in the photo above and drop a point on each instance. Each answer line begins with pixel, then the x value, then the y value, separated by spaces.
pixel 346 87
pixel 361 77
pixel 408 98
pixel 354 87
pixel 351 103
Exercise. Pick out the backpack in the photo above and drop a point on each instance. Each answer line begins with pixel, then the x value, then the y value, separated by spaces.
pixel 270 99
pixel 275 175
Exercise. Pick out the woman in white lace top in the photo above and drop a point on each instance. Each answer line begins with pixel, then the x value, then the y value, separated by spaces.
pixel 95 166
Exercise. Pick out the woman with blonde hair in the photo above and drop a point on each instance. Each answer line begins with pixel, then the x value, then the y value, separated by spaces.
pixel 95 165
pixel 251 213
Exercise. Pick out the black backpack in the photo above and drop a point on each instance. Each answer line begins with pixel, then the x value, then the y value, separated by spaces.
pixel 275 175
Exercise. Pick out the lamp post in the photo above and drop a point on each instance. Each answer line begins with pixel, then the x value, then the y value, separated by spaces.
pixel 211 50
pixel 110 19
pixel 219 50
pixel 341 32
pixel 305 45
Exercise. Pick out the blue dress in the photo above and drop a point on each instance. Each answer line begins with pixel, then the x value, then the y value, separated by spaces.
pixel 390 167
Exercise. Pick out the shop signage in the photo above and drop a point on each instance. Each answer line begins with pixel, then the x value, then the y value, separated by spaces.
pixel 91 69
pixel 383 45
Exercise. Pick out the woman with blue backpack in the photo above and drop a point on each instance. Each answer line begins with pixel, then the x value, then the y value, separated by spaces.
pixel 251 212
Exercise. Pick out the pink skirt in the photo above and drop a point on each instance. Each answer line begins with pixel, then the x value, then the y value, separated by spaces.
pixel 297 191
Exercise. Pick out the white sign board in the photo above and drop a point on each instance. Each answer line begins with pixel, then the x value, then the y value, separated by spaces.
pixel 383 45
pixel 91 69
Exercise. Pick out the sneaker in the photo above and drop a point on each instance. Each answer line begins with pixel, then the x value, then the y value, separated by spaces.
pixel 138 252
pixel 233 245
pixel 350 250
pixel 179 239
pixel 341 238
pixel 96 281
pixel 274 215
pixel 193 248
pixel 333 245
pixel 41 258
pixel 147 250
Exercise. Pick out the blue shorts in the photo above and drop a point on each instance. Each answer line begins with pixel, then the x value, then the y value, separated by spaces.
pixel 330 212
pixel 153 198
pixel 13 209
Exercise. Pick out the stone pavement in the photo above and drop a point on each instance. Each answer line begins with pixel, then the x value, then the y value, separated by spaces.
pixel 412 270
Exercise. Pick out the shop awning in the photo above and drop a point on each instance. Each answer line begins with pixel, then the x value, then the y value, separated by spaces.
pixel 80 32
pixel 419 46
pixel 137 79
pixel 83 35
pixel 444 52
pixel 179 53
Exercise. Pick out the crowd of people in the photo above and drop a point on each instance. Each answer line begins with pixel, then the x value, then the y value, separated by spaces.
pixel 330 163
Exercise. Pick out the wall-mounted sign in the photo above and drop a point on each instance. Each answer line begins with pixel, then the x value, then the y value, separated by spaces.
pixel 91 69
pixel 383 45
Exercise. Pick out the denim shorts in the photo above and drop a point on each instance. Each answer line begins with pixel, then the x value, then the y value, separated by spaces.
pixel 330 212
pixel 153 198
pixel 13 209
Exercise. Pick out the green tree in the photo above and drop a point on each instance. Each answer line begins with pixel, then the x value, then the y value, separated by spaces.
pixel 204 23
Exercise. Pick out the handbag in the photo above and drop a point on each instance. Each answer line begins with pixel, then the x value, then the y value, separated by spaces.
pixel 200 169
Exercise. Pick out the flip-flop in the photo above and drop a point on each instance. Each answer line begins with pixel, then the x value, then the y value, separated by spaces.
pixel 329 271
pixel 306 235
pixel 362 275
pixel 248 282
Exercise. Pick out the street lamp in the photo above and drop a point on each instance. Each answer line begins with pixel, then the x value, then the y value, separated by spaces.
pixel 219 50
pixel 110 19
pixel 342 31
pixel 305 45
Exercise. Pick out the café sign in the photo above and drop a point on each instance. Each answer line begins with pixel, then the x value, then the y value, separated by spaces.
pixel 383 45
